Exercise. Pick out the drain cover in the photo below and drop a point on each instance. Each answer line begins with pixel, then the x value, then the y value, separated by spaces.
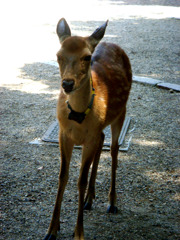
pixel 51 135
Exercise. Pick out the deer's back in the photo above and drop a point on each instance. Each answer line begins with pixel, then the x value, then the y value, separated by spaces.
pixel 112 78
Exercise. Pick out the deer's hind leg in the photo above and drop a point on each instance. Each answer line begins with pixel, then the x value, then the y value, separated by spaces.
pixel 116 127
pixel 88 155
pixel 91 187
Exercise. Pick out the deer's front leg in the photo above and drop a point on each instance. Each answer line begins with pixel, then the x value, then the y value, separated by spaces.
pixel 66 146
pixel 87 158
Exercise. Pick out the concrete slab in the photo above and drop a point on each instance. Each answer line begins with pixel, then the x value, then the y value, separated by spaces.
pixel 172 86
pixel 146 80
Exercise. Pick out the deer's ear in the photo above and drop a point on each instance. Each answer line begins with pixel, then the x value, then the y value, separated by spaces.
pixel 97 35
pixel 63 31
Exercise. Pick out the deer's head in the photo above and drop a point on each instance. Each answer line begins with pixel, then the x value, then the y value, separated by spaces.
pixel 74 57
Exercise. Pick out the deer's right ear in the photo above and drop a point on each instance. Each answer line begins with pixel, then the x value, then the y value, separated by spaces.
pixel 63 31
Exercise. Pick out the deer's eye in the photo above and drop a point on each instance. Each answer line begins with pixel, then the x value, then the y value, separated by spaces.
pixel 58 58
pixel 87 58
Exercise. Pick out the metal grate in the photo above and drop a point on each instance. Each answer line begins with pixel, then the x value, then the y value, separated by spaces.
pixel 51 135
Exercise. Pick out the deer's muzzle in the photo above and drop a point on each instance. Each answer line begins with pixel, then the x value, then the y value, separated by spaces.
pixel 68 85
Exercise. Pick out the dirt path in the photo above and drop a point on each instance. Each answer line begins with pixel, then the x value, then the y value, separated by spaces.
pixel 148 174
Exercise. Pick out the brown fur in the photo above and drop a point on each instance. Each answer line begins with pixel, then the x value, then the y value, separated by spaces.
pixel 111 77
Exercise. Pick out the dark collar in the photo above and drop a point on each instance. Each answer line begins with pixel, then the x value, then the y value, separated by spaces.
pixel 80 116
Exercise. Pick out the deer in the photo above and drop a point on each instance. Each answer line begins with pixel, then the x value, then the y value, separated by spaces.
pixel 96 80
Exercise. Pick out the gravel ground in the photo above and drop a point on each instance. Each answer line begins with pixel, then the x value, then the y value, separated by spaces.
pixel 148 174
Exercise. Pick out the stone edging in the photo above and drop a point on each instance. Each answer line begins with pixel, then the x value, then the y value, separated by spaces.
pixel 158 83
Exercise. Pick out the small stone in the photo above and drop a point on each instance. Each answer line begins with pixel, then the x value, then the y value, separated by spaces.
pixel 40 168
pixel 171 90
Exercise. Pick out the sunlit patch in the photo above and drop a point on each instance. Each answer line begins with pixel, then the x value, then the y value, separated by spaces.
pixel 30 86
pixel 147 142
pixel 156 175
pixel 115 10
pixel 176 197
pixel 164 178
pixel 27 43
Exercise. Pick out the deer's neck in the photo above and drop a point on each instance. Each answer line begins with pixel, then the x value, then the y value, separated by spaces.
pixel 80 99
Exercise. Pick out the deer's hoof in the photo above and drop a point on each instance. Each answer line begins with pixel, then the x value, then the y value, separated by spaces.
pixel 112 209
pixel 87 206
pixel 77 237
pixel 50 237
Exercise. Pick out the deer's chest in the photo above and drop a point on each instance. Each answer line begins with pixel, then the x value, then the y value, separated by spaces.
pixel 78 134
pixel 75 131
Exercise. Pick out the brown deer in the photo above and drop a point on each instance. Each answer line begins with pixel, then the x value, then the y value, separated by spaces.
pixel 95 85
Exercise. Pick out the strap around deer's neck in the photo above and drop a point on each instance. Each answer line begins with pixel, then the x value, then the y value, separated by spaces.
pixel 80 116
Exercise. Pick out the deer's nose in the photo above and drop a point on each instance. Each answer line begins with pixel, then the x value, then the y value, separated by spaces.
pixel 68 85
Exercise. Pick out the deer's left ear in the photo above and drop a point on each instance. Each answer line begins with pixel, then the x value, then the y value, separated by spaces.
pixel 63 30
pixel 97 35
